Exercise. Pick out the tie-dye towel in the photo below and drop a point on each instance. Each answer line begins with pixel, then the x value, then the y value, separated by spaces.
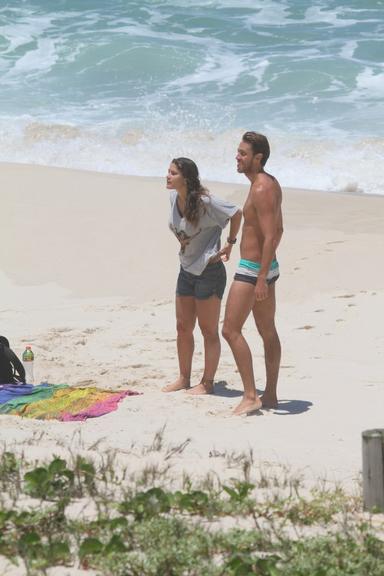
pixel 58 401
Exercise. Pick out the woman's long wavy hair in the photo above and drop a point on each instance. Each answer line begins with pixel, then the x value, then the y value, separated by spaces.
pixel 195 190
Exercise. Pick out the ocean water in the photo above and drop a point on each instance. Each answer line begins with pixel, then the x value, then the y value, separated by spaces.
pixel 126 85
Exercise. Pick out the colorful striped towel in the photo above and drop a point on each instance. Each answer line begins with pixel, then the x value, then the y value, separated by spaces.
pixel 58 401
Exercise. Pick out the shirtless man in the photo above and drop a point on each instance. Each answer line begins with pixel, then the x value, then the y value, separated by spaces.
pixel 253 288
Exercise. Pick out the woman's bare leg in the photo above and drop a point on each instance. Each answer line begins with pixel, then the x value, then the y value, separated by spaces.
pixel 208 313
pixel 185 324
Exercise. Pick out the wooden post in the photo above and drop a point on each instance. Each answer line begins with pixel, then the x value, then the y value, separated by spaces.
pixel 373 469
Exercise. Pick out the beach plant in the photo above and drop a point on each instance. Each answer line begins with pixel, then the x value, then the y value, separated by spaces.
pixel 239 492
pixel 147 504
pixel 151 474
pixel 84 477
pixel 38 554
pixel 50 482
pixel 159 531
pixel 10 474
pixel 194 502
pixel 244 565
pixel 157 442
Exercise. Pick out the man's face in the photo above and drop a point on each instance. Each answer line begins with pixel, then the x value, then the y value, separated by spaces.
pixel 245 158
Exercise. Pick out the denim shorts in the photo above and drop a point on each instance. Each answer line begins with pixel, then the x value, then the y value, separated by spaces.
pixel 211 281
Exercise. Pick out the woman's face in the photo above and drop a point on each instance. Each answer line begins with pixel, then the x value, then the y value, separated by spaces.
pixel 175 179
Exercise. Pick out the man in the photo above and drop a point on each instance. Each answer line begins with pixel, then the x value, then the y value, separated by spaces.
pixel 253 288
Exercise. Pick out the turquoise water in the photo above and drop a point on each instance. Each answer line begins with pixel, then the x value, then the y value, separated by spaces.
pixel 125 86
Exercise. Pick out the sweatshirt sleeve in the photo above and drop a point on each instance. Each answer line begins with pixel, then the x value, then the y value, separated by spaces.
pixel 220 211
pixel 19 368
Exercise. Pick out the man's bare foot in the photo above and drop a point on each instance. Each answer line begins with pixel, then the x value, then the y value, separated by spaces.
pixel 180 384
pixel 205 387
pixel 247 405
pixel 269 400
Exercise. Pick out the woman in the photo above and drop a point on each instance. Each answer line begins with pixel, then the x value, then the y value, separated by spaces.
pixel 197 219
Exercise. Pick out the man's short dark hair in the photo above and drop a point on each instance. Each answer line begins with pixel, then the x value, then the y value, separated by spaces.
pixel 259 143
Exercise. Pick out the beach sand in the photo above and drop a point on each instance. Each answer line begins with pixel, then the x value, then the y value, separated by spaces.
pixel 87 275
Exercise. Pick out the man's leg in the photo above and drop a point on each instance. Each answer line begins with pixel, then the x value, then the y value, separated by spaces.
pixel 240 302
pixel 264 315
pixel 208 312
pixel 185 324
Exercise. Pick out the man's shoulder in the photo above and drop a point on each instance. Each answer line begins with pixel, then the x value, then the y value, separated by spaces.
pixel 265 183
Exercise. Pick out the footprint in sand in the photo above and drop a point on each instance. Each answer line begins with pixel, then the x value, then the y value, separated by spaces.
pixel 345 296
pixel 91 330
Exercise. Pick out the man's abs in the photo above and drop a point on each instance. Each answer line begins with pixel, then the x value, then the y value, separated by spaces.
pixel 251 244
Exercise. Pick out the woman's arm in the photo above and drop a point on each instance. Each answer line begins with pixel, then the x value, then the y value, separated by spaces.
pixel 234 227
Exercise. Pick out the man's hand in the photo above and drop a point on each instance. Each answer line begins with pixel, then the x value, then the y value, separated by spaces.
pixel 261 290
pixel 225 253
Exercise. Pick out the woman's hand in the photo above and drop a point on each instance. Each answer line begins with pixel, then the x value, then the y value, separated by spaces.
pixel 225 253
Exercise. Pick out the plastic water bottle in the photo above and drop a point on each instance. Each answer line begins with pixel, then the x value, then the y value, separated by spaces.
pixel 28 358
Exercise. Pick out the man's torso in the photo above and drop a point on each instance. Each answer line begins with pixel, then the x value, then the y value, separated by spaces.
pixel 252 238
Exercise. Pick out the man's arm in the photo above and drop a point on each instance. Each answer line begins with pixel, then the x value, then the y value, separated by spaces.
pixel 279 229
pixel 266 201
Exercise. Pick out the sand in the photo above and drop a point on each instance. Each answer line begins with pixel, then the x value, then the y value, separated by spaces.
pixel 87 275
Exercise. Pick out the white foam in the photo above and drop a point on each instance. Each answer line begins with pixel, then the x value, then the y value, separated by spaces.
pixel 336 164
pixel 39 60
pixel 269 14
pixel 368 81
pixel 24 31
pixel 258 71
pixel 220 67
pixel 317 15
pixel 348 49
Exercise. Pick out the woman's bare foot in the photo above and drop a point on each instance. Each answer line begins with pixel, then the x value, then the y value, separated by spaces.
pixel 269 400
pixel 248 405
pixel 181 383
pixel 205 387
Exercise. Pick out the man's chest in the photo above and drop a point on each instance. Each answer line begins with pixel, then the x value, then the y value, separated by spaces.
pixel 250 213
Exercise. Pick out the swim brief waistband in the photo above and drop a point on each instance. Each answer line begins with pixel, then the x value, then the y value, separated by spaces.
pixel 248 271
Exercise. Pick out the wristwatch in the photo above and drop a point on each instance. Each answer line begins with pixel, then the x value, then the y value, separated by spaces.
pixel 231 241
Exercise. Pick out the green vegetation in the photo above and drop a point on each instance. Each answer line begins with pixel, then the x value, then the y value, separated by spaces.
pixel 211 529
